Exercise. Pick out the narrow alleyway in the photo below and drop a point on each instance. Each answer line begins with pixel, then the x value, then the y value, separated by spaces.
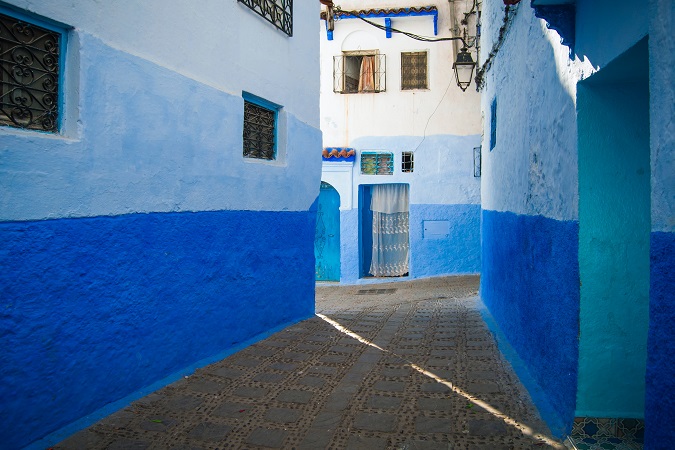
pixel 407 365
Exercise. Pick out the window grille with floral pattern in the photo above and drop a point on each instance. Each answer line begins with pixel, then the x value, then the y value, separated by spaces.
pixel 29 75
pixel 413 70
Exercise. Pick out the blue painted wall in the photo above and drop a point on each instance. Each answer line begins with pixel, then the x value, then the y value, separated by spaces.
pixel 96 308
pixel 137 242
pixel 145 145
pixel 614 229
pixel 660 380
pixel 459 253
pixel 456 254
pixel 442 187
pixel 530 283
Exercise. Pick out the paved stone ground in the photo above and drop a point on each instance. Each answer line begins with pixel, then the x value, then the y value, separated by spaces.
pixel 407 365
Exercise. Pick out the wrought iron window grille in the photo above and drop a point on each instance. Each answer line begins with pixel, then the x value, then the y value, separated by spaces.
pixel 377 163
pixel 277 12
pixel 260 131
pixel 29 75
pixel 359 73
pixel 407 162
pixel 476 162
pixel 413 70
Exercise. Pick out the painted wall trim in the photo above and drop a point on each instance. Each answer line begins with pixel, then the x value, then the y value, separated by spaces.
pixel 386 15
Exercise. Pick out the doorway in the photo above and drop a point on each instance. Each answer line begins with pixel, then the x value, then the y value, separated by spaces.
pixel 614 232
pixel 384 230
pixel 327 235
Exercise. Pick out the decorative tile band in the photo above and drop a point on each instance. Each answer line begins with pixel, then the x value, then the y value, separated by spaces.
pixel 593 432
pixel 338 154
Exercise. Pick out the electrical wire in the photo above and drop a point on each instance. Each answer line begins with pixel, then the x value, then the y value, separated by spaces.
pixel 424 133
pixel 405 33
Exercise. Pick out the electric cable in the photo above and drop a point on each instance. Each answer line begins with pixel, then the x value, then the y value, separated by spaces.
pixel 405 33
pixel 424 133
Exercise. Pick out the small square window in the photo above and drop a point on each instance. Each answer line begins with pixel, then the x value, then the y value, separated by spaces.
pixel 413 70
pixel 377 163
pixel 30 75
pixel 407 162
pixel 260 128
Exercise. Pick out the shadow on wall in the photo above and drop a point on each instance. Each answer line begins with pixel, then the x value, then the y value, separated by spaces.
pixel 530 269
pixel 531 263
pixel 614 231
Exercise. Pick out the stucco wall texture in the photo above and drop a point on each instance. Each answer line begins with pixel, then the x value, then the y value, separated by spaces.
pixel 94 309
pixel 530 284
pixel 659 398
pixel 139 241
pixel 529 276
pixel 151 140
pixel 532 175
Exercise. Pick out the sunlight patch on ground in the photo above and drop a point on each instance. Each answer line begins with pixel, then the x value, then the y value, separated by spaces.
pixel 527 431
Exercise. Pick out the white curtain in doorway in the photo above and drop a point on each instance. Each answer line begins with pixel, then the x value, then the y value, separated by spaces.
pixel 390 205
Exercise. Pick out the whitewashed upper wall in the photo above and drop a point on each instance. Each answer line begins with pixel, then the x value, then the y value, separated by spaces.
pixel 154 113
pixel 533 169
pixel 220 43
pixel 442 109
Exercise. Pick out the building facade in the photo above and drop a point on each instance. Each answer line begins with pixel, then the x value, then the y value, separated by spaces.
pixel 159 176
pixel 578 206
pixel 397 126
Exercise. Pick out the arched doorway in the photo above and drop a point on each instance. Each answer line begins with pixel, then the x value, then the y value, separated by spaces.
pixel 327 235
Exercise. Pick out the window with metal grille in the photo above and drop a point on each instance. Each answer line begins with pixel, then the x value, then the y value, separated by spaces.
pixel 29 75
pixel 377 163
pixel 359 72
pixel 277 12
pixel 413 70
pixel 260 128
pixel 407 162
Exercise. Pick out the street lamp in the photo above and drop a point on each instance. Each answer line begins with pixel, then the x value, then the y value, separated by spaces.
pixel 464 66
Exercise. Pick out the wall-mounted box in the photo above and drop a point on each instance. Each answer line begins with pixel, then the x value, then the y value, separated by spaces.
pixel 436 229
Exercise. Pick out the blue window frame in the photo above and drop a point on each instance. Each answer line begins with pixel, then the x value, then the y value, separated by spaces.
pixel 260 127
pixel 32 55
pixel 493 123
pixel 377 163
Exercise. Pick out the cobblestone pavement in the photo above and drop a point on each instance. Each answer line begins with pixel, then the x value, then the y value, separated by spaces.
pixel 407 365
